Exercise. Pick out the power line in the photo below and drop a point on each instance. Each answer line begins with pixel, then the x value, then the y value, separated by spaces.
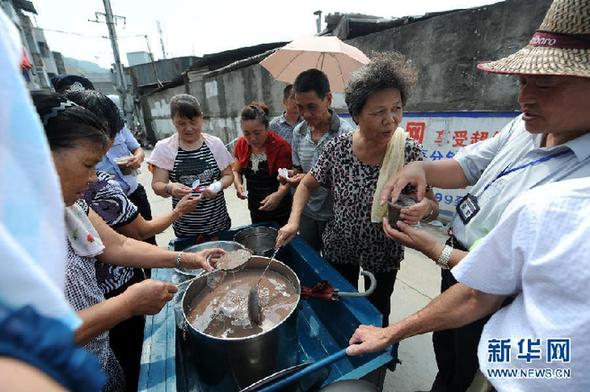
pixel 93 36
pixel 74 33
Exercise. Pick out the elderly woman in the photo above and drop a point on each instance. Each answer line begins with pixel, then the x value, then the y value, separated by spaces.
pixel 110 202
pixel 78 141
pixel 260 153
pixel 193 161
pixel 352 165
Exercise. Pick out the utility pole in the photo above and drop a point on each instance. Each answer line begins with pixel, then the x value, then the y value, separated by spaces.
pixel 161 39
pixel 318 22
pixel 110 21
pixel 147 41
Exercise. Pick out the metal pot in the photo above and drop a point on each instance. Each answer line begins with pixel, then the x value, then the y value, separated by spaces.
pixel 225 245
pixel 230 364
pixel 259 239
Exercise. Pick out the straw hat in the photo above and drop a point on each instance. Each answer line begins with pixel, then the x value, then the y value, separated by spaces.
pixel 561 45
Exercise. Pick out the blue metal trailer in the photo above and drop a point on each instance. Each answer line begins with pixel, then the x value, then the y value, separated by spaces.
pixel 323 328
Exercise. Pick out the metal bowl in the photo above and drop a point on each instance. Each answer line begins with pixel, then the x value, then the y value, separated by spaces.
pixel 238 362
pixel 225 245
pixel 259 239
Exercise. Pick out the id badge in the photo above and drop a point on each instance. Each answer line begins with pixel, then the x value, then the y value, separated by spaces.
pixel 467 208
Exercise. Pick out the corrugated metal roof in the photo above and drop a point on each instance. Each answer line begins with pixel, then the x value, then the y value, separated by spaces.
pixel 24 5
pixel 161 71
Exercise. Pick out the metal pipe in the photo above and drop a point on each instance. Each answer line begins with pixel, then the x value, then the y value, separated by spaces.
pixel 367 292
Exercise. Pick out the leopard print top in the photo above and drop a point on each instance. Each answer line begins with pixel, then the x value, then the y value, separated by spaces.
pixel 350 237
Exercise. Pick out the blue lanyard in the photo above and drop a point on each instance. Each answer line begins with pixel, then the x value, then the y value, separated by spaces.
pixel 533 163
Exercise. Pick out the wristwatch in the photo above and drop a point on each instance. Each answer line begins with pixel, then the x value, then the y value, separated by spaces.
pixel 443 259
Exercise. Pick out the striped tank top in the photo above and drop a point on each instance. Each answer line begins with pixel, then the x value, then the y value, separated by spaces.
pixel 210 216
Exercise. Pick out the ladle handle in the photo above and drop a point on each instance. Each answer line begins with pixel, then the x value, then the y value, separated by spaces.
pixel 310 369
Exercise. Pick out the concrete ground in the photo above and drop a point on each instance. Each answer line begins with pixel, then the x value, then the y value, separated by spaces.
pixel 417 283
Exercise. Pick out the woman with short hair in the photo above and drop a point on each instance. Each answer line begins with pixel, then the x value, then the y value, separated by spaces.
pixel 354 166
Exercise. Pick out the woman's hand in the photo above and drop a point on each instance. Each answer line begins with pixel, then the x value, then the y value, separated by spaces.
pixel 286 234
pixel 270 202
pixel 295 179
pixel 178 190
pixel 411 237
pixel 134 162
pixel 368 339
pixel 414 214
pixel 187 204
pixel 148 297
pixel 212 190
pixel 241 192
pixel 205 259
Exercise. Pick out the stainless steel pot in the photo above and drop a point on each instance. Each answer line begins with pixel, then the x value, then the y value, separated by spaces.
pixel 259 239
pixel 225 245
pixel 230 364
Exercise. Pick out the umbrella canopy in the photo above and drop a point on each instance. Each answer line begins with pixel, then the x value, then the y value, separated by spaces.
pixel 329 54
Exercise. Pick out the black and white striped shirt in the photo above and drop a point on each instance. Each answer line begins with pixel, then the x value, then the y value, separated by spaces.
pixel 210 216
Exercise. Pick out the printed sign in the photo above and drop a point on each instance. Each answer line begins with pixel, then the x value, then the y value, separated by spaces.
pixel 443 134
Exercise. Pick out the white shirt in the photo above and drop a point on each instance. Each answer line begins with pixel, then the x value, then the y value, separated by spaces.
pixel 539 253
pixel 513 148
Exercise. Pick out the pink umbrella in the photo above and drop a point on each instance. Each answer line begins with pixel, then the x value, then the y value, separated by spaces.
pixel 329 54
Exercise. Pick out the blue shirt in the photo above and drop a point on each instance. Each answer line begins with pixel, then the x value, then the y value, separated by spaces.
pixel 306 153
pixel 514 146
pixel 282 127
pixel 123 146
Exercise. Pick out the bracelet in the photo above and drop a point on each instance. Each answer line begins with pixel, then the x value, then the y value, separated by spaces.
pixel 445 256
pixel 430 215
pixel 179 260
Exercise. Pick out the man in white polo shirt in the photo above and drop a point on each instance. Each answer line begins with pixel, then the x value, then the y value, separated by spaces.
pixel 539 255
pixel 549 142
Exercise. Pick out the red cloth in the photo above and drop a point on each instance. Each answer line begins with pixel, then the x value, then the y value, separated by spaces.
pixel 25 62
pixel 278 153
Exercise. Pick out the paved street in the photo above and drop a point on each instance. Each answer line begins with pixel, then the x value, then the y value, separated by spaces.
pixel 417 283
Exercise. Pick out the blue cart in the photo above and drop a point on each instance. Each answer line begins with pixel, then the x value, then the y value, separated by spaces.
pixel 323 329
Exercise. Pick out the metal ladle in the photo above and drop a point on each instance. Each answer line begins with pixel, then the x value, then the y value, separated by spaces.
pixel 224 267
pixel 254 308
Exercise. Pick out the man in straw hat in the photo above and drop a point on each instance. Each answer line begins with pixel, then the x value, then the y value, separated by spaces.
pixel 549 142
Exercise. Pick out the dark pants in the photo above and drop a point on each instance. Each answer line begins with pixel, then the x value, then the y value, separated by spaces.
pixel 261 218
pixel 456 350
pixel 140 199
pixel 381 297
pixel 126 339
pixel 311 230
pixel 201 238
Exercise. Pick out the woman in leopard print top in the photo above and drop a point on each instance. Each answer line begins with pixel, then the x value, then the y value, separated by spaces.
pixel 349 167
